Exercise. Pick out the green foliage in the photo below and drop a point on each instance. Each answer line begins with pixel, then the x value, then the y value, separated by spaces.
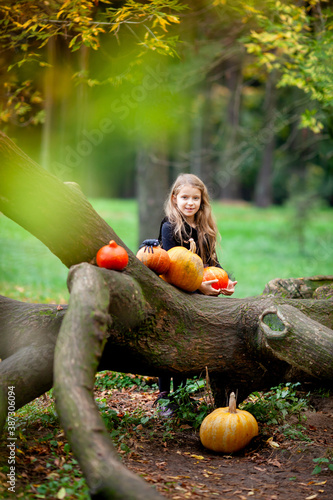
pixel 116 380
pixel 28 28
pixel 122 425
pixel 296 40
pixel 322 463
pixel 64 477
pixel 275 406
pixel 187 411
pixel 272 407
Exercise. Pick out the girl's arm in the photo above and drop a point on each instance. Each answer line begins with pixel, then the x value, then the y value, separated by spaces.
pixel 168 239
pixel 228 290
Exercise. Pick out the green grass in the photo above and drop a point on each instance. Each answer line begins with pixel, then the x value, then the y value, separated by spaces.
pixel 257 246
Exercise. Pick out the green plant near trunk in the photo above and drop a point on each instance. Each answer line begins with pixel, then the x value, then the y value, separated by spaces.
pixel 322 463
pixel 275 406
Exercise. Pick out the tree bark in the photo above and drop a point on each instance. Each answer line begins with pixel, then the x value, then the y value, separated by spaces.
pixel 263 190
pixel 231 188
pixel 27 341
pixel 291 335
pixel 152 189
pixel 81 340
pixel 147 339
pixel 300 288
pixel 50 77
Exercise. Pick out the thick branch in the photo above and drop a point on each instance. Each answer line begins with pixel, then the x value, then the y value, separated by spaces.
pixel 56 213
pixel 297 288
pixel 164 330
pixel 79 347
pixel 28 334
pixel 299 340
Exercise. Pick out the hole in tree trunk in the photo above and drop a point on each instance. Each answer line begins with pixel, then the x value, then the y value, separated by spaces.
pixel 274 322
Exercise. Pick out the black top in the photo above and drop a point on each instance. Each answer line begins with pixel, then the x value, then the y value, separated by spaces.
pixel 168 239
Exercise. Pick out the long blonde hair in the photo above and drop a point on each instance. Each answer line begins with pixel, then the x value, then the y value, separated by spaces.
pixel 204 220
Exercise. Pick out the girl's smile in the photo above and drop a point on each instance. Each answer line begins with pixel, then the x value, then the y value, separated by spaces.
pixel 188 202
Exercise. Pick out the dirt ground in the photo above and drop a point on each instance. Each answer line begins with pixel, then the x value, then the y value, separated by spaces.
pixel 183 468
pixel 272 467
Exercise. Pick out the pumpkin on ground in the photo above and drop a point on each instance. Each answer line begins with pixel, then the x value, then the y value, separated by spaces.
pixel 228 429
pixel 213 273
pixel 186 269
pixel 155 258
pixel 112 256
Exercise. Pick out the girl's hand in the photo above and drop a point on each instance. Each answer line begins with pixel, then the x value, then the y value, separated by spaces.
pixel 207 289
pixel 229 290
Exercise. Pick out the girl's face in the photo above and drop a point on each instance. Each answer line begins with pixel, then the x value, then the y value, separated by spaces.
pixel 188 201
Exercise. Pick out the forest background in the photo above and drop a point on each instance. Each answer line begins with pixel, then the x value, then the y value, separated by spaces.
pixel 123 96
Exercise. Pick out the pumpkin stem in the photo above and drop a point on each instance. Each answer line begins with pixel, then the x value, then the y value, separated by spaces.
pixel 232 403
pixel 193 247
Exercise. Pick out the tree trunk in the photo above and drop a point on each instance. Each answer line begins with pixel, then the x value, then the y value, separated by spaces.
pixel 152 189
pixel 45 156
pixel 151 326
pixel 240 350
pixel 263 188
pixel 230 178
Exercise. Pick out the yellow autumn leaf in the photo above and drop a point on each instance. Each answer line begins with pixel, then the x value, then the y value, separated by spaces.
pixel 198 457
pixel 173 19
pixel 272 443
pixel 27 23
pixel 61 493
pixel 252 9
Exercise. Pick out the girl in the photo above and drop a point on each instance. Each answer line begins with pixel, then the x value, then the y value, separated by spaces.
pixel 189 215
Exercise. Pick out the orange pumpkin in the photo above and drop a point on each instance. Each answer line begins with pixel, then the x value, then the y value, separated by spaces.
pixel 228 429
pixel 186 269
pixel 155 258
pixel 213 273
pixel 112 256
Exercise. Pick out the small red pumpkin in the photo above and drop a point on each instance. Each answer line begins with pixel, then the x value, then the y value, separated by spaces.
pixel 155 258
pixel 112 256
pixel 216 273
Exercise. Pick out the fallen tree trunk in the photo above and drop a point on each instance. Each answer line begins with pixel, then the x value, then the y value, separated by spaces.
pixel 229 336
